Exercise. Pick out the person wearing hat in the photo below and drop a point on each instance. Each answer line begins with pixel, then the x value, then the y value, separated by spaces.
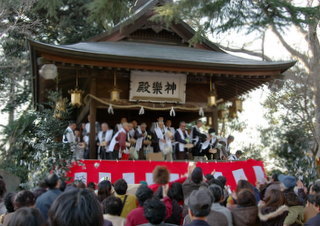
pixel 199 205
pixel 295 204
pixel 235 157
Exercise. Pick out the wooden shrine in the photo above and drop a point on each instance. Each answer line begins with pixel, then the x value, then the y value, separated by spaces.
pixel 144 67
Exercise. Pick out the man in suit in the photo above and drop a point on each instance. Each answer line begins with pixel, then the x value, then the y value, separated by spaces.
pixel 197 139
pixel 315 220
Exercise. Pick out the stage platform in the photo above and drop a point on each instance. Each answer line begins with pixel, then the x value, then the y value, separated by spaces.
pixel 135 171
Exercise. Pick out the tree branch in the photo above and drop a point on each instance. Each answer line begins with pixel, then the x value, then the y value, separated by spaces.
pixel 292 51
pixel 244 50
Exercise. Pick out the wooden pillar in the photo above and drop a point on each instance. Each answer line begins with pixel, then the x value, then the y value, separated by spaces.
pixel 92 120
pixel 215 119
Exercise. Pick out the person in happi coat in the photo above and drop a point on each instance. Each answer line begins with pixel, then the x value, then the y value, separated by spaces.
pixel 142 140
pixel 181 138
pixel 69 137
pixel 104 138
pixel 119 125
pixel 87 127
pixel 155 124
pixel 80 145
pixel 209 145
pixel 198 138
pixel 162 141
pixel 118 144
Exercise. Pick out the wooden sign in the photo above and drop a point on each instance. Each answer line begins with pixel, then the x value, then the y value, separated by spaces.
pixel 158 87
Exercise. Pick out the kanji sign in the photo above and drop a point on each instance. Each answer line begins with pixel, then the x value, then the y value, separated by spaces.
pixel 157 87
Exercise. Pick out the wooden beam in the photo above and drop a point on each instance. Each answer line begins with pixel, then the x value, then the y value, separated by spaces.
pixel 83 113
pixel 92 120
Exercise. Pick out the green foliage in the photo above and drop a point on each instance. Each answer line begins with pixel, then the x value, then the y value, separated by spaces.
pixel 35 146
pixel 290 135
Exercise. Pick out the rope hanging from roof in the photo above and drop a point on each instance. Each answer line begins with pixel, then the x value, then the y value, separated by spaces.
pixel 142 107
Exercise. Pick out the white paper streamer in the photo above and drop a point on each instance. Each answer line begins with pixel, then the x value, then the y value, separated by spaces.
pixel 141 112
pixel 110 109
pixel 172 112
pixel 201 112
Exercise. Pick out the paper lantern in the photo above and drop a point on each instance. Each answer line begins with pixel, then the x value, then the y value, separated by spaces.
pixel 48 71
pixel 115 94
pixel 238 104
pixel 232 112
pixel 212 100
pixel 76 97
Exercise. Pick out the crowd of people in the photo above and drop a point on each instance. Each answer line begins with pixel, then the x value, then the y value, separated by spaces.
pixel 129 140
pixel 195 199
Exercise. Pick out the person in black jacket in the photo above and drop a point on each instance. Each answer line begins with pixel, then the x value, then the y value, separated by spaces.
pixel 197 139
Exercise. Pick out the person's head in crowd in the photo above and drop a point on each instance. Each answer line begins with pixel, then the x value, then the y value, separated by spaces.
pixel 161 124
pixel 104 127
pixel 112 205
pixel 175 192
pixel 72 125
pixel 134 124
pixel 130 126
pixel 275 198
pixel 24 199
pixel 3 188
pixel 77 207
pixel 70 186
pixel 246 198
pixel 216 181
pixel 123 120
pixel 217 193
pixel 52 181
pixel 104 190
pixel 143 193
pixel 291 199
pixel 160 119
pixel 209 177
pixel 168 123
pixel 287 182
pixel 143 127
pixel 317 202
pixel 311 200
pixel 79 184
pixel 315 188
pixel 211 131
pixel 63 185
pixel 230 139
pixel 27 216
pixel 239 154
pixel 223 180
pixel 199 123
pixel 161 175
pixel 77 132
pixel 199 204
pixel 243 184
pixel 182 126
pixel 42 188
pixel 120 187
pixel 8 202
pixel 125 126
pixel 154 211
pixel 197 175
pixel 275 177
pixel 91 186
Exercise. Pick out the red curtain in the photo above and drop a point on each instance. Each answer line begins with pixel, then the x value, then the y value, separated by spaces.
pixel 136 171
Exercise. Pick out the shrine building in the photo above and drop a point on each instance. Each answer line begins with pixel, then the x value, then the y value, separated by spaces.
pixel 142 69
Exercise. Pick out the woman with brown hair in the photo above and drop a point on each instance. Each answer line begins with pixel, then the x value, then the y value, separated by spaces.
pixel 273 211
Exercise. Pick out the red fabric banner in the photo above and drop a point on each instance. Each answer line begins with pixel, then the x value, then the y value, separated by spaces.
pixel 135 171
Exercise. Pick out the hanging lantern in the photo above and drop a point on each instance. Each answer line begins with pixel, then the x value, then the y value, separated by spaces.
pixel 60 107
pixel 76 97
pixel 212 98
pixel 76 94
pixel 115 92
pixel 232 112
pixel 48 71
pixel 238 104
